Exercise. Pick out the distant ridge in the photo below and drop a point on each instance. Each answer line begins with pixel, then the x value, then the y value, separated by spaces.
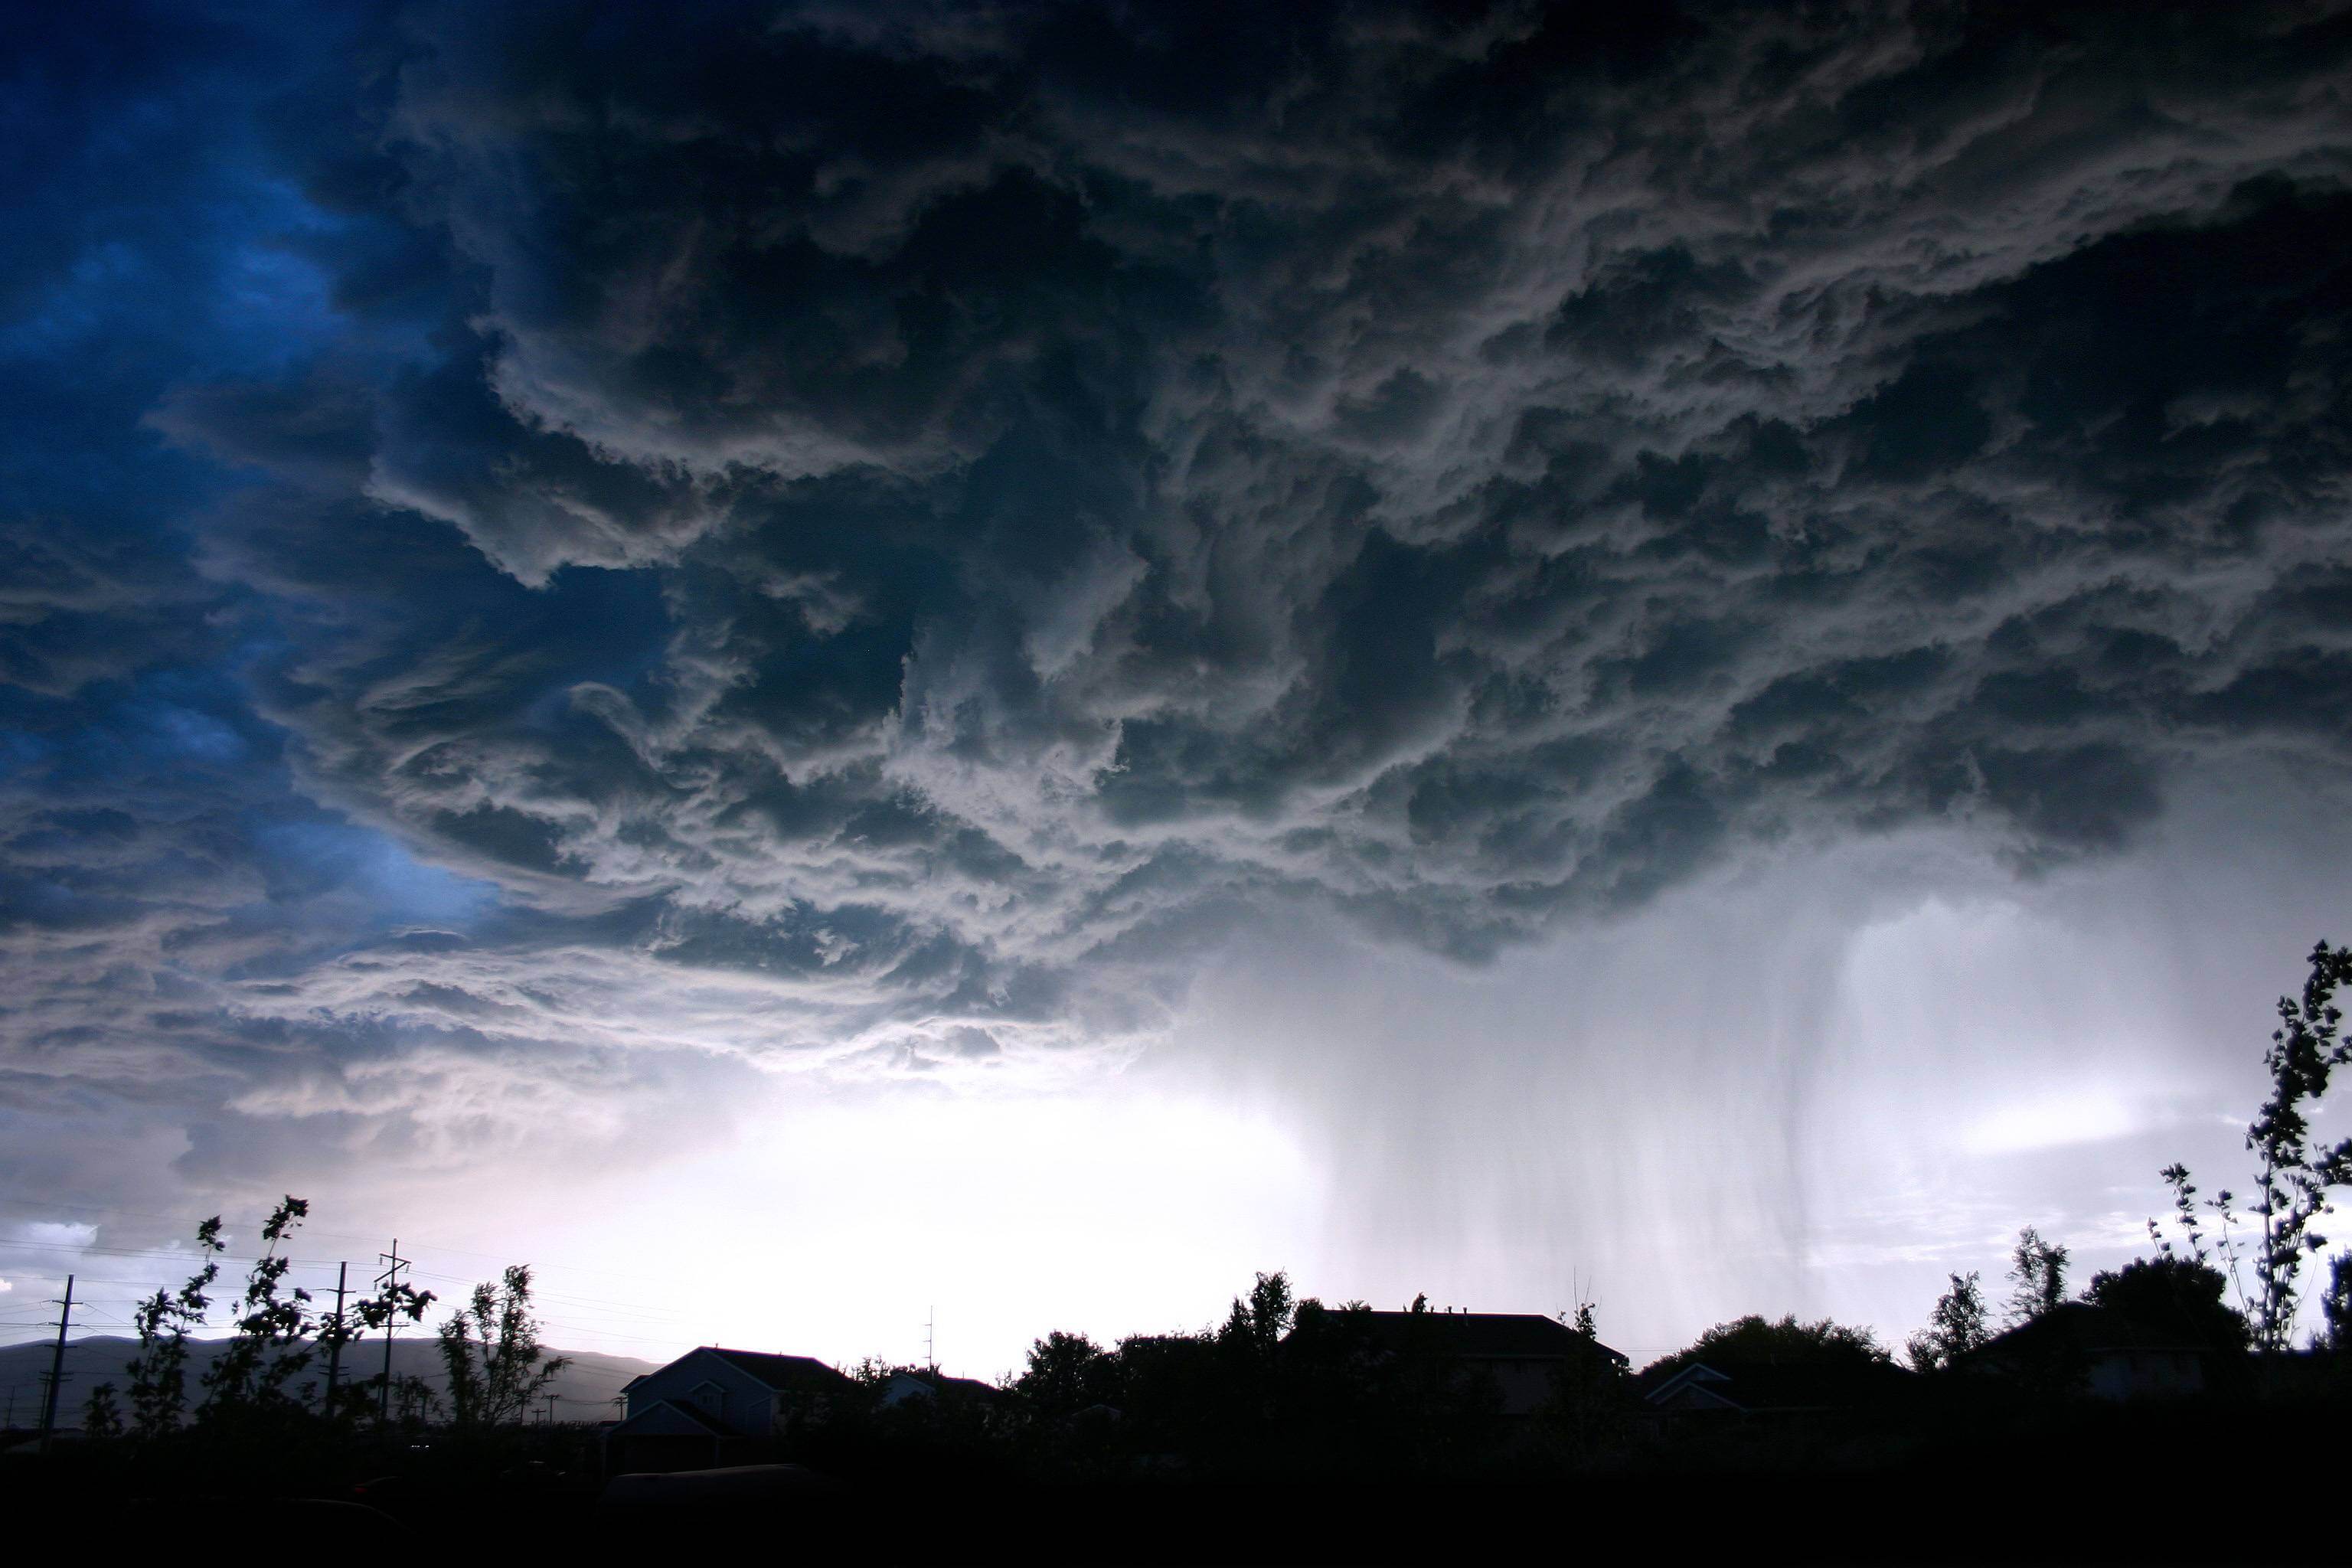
pixel 585 1390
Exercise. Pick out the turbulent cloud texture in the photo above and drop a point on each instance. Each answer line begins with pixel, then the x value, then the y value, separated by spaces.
pixel 866 538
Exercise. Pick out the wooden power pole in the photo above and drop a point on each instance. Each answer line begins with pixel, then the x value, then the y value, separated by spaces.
pixel 388 1279
pixel 56 1368
pixel 335 1345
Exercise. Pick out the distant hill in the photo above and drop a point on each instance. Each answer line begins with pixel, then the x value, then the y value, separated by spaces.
pixel 585 1390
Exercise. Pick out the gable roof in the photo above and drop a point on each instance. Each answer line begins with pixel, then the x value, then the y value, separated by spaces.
pixel 1696 1387
pixel 784 1374
pixel 1786 1385
pixel 1495 1336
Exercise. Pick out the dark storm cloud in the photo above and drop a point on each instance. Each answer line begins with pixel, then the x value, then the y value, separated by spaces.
pixel 880 532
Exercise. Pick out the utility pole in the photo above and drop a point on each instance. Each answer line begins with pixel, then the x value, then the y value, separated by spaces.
pixel 389 1279
pixel 56 1368
pixel 335 1345
pixel 931 1339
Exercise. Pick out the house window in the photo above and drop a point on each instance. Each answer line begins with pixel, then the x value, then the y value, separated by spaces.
pixel 708 1398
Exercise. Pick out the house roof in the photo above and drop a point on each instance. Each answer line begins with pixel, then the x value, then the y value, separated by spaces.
pixel 785 1374
pixel 944 1384
pixel 1498 1336
pixel 1778 1385
pixel 2079 1327
pixel 1695 1387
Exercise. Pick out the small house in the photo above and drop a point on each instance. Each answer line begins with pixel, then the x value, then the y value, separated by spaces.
pixel 1526 1354
pixel 2076 1347
pixel 914 1385
pixel 714 1407
pixel 1779 1388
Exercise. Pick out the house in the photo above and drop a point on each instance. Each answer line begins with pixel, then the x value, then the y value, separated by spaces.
pixel 2076 1347
pixel 714 1407
pixel 1775 1388
pixel 1527 1354
pixel 914 1384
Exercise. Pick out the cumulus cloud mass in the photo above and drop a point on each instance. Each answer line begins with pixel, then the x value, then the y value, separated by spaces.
pixel 565 563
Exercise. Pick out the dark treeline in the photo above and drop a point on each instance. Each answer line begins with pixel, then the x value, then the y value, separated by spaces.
pixel 1282 1388
pixel 1296 1428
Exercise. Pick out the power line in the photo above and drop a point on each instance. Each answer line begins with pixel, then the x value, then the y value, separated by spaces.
pixel 321 1234
pixel 180 1255
pixel 637 1338
pixel 636 1310
pixel 644 1313
pixel 172 1252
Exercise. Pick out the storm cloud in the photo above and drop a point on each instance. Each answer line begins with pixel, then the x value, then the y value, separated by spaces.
pixel 544 541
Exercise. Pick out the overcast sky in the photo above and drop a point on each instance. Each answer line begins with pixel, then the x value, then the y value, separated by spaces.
pixel 816 663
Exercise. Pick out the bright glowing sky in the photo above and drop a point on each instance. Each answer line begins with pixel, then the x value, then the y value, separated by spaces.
pixel 813 662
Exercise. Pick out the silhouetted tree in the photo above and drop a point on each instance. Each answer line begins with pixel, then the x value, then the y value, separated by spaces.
pixel 414 1403
pixel 2295 1181
pixel 248 1378
pixel 872 1373
pixel 2184 1215
pixel 159 1372
pixel 1755 1339
pixel 1189 1393
pixel 1066 1373
pixel 2037 1272
pixel 100 1416
pixel 1413 1408
pixel 1255 1325
pixel 2176 1293
pixel 490 1350
pixel 1590 1394
pixel 1960 1324
pixel 1330 1370
pixel 2336 1307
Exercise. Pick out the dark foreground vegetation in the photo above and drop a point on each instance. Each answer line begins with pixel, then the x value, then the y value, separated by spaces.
pixel 1949 1478
pixel 2169 1410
